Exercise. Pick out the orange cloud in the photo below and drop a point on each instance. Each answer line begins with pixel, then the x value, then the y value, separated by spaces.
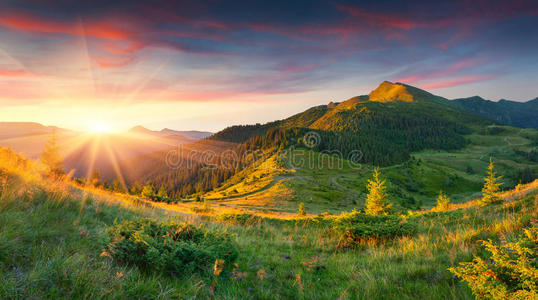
pixel 15 73
pixel 113 62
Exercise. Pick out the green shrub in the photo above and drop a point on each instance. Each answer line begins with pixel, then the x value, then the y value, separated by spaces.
pixel 239 219
pixel 357 227
pixel 170 247
pixel 511 271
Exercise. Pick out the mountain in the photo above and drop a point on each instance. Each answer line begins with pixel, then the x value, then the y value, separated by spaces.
pixel 193 134
pixel 513 113
pixel 19 129
pixel 189 134
pixel 384 127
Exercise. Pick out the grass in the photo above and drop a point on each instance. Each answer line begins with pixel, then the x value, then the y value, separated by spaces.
pixel 52 238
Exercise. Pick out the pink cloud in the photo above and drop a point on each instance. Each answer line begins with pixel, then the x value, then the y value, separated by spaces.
pixel 447 71
pixel 101 29
pixel 296 68
pixel 383 20
pixel 457 81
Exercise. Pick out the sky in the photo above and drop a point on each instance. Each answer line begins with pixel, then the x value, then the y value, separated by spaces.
pixel 206 65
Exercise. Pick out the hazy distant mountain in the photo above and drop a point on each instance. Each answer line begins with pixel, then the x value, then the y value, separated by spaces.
pixel 83 152
pixel 518 114
pixel 191 134
pixel 18 129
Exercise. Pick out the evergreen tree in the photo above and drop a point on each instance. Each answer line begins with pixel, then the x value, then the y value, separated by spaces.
pixel 490 191
pixel 136 188
pixel 442 201
pixel 469 170
pixel 95 178
pixel 162 193
pixel 207 205
pixel 148 191
pixel 376 201
pixel 302 210
pixel 51 157
pixel 116 185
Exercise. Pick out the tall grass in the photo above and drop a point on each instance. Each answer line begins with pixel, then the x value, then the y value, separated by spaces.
pixel 52 236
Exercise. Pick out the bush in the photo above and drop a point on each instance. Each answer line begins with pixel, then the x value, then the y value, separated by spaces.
pixel 173 248
pixel 357 227
pixel 239 219
pixel 511 272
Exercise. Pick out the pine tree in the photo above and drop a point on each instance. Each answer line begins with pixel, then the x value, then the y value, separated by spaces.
pixel 162 193
pixel 148 191
pixel 51 157
pixel 116 185
pixel 490 191
pixel 376 201
pixel 442 201
pixel 136 188
pixel 95 178
pixel 302 210
pixel 207 205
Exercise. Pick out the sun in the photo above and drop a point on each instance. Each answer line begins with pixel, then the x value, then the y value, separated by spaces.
pixel 99 127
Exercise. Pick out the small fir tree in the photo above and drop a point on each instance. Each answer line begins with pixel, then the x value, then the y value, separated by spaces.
pixel 302 210
pixel 207 205
pixel 116 185
pixel 491 189
pixel 442 201
pixel 136 188
pixel 376 201
pixel 162 193
pixel 95 179
pixel 51 157
pixel 148 191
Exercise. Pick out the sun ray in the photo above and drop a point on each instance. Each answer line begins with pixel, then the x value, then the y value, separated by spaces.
pixel 84 41
pixel 96 142
pixel 115 164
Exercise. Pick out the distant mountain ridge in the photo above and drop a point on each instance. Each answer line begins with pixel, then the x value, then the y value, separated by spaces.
pixel 18 129
pixel 513 113
pixel 191 134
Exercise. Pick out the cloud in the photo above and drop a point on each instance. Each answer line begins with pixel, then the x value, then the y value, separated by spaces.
pixel 33 23
pixel 458 81
pixel 15 73
pixel 112 62
pixel 441 70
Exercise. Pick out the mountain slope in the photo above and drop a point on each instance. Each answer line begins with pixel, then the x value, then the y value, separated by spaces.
pixel 399 119
pixel 518 114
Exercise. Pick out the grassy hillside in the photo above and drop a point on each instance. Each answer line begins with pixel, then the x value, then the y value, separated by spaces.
pixel 333 184
pixel 52 237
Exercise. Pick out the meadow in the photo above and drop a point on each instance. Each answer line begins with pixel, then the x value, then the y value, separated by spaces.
pixel 52 237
